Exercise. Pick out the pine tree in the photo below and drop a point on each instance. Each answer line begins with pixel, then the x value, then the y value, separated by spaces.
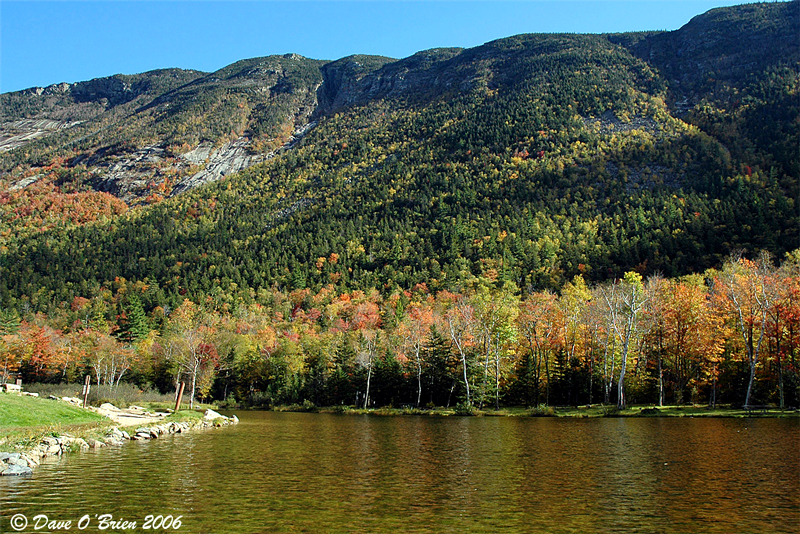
pixel 9 322
pixel 136 325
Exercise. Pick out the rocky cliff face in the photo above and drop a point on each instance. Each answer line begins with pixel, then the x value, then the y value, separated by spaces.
pixel 723 46
pixel 232 157
pixel 174 129
pixel 161 131
pixel 19 133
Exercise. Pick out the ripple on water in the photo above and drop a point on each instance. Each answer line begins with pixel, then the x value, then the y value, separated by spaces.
pixel 279 472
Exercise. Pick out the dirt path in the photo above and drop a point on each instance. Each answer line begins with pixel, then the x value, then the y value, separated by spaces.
pixel 131 416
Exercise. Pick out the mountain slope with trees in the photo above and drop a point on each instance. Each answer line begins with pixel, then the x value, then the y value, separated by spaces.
pixel 485 226
pixel 536 156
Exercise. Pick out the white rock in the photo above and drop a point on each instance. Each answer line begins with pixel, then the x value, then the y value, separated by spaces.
pixel 211 414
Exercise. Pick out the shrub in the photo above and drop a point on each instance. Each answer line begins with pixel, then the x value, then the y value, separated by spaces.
pixel 125 395
pixel 610 411
pixel 229 403
pixel 463 408
pixel 122 395
pixel 541 411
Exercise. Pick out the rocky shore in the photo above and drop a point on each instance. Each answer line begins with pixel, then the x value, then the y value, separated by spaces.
pixel 23 463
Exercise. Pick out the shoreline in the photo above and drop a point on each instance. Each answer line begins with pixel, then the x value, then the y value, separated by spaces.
pixel 24 461
pixel 570 412
pixel 26 458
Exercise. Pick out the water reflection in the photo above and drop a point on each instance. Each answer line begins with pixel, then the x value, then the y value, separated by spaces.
pixel 279 472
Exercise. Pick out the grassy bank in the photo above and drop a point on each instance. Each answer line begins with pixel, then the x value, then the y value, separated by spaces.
pixel 24 420
pixel 23 411
pixel 559 411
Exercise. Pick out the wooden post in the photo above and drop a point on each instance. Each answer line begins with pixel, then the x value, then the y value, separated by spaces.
pixel 180 396
pixel 86 387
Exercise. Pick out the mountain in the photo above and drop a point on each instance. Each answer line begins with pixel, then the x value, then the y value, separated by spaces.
pixel 531 159
pixel 139 134
pixel 732 73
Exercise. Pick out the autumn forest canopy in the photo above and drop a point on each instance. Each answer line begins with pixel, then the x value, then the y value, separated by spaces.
pixel 541 220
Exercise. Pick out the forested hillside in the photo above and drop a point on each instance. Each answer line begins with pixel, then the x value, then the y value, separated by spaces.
pixel 539 156
pixel 524 162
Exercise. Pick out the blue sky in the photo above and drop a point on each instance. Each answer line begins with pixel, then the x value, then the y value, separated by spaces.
pixel 42 43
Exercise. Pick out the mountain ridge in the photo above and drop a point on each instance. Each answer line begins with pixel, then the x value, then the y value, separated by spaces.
pixel 334 85
pixel 531 158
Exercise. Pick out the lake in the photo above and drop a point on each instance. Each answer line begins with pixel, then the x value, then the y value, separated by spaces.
pixel 305 472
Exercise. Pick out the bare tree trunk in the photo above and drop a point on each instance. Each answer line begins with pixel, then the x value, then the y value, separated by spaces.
pixel 463 355
pixel 621 382
pixel 369 379
pixel 194 384
pixel 419 378
pixel 450 395
pixel 606 374
pixel 778 359
pixel 497 373
pixel 714 388
pixel 466 382
pixel 486 348
pixel 547 377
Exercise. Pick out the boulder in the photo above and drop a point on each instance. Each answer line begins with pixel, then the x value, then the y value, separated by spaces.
pixel 17 470
pixel 211 414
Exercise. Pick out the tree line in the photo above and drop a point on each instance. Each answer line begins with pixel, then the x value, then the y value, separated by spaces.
pixel 730 335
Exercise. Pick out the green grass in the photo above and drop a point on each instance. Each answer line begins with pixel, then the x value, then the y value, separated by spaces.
pixel 24 421
pixel 22 411
pixel 595 410
pixel 690 410
pixel 184 415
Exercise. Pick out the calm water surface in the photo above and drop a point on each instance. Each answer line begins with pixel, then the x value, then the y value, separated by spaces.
pixel 291 472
